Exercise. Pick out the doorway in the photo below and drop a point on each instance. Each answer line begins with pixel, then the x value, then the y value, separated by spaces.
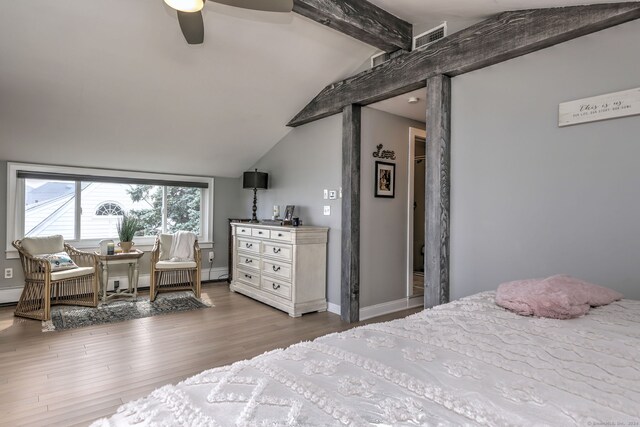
pixel 416 213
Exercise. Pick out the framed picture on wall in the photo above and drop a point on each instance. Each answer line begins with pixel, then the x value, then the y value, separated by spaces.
pixel 385 180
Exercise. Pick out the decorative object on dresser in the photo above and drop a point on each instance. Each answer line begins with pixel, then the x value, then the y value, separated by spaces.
pixel 288 214
pixel 284 267
pixel 255 180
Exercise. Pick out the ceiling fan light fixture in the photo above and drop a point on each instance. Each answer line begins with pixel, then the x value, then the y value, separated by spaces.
pixel 186 5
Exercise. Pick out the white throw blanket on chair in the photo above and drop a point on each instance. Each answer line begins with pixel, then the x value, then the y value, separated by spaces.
pixel 182 246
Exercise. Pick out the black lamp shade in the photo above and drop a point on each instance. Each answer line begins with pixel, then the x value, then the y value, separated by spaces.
pixel 255 179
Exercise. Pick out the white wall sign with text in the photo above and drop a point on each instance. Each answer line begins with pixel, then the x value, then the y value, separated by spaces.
pixel 602 107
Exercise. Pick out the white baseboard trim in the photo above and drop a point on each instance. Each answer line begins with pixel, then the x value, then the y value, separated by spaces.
pixel 214 274
pixel 333 308
pixel 12 295
pixel 389 307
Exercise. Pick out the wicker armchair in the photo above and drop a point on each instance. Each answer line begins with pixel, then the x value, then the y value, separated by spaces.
pixel 42 287
pixel 167 276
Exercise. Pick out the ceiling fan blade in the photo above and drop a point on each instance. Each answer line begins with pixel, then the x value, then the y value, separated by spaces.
pixel 264 5
pixel 192 26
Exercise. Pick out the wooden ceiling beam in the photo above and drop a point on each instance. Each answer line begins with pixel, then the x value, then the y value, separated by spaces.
pixel 503 37
pixel 361 20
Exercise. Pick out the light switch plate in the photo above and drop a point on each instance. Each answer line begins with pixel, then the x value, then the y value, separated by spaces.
pixel 327 210
pixel 333 194
pixel 326 194
pixel 340 192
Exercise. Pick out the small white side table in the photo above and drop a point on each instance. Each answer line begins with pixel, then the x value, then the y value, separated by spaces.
pixel 129 258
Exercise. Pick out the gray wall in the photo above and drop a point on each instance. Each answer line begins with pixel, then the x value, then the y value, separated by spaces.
pixel 227 204
pixel 529 199
pixel 308 160
pixel 300 166
pixel 383 226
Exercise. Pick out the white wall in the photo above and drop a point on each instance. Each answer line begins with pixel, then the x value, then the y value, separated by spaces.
pixel 529 199
pixel 383 222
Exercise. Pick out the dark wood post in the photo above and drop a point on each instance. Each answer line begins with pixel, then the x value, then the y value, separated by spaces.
pixel 350 268
pixel 438 128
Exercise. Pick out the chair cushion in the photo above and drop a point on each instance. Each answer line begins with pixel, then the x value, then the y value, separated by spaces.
pixel 165 246
pixel 59 262
pixel 43 245
pixel 69 274
pixel 171 265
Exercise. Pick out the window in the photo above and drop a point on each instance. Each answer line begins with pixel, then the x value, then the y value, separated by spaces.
pixel 109 208
pixel 84 205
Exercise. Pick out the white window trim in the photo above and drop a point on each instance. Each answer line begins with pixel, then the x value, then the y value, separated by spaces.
pixel 15 200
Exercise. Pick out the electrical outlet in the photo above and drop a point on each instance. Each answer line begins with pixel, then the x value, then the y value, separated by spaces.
pixel 211 255
pixel 333 194
pixel 327 210
pixel 8 273
pixel 325 194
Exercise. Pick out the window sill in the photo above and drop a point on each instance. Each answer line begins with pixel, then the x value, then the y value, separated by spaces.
pixel 13 254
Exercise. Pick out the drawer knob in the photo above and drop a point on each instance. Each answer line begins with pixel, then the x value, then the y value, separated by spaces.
pixel 248 261
pixel 243 230
pixel 275 267
pixel 276 250
pixel 279 234
pixel 259 232
pixel 247 276
pixel 249 245
pixel 276 287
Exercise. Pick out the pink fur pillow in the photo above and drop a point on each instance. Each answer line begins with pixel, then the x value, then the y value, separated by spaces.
pixel 557 297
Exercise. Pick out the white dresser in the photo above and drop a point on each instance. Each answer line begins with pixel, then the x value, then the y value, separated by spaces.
pixel 284 267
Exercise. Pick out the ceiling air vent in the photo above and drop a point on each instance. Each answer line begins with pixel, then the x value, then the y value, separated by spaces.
pixel 379 58
pixel 428 37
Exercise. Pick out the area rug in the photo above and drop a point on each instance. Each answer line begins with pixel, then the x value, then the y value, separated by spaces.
pixel 71 317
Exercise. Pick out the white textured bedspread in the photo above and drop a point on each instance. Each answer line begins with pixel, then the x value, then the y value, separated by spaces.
pixel 468 362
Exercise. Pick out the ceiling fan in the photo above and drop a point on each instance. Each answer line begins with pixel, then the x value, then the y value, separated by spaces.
pixel 190 13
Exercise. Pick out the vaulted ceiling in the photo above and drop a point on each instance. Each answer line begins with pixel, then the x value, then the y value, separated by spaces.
pixel 112 83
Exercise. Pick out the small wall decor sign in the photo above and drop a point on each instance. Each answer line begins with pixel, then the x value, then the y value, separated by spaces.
pixel 612 105
pixel 384 154
pixel 385 180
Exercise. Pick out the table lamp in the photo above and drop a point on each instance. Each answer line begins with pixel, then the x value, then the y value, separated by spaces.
pixel 255 180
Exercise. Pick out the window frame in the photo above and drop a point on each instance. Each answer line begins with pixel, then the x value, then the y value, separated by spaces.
pixel 16 202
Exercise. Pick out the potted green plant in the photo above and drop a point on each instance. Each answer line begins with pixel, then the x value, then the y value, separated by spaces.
pixel 127 227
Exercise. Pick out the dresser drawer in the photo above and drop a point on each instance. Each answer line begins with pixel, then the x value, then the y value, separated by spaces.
pixel 283 236
pixel 277 250
pixel 276 287
pixel 260 232
pixel 246 245
pixel 248 261
pixel 276 269
pixel 243 231
pixel 249 277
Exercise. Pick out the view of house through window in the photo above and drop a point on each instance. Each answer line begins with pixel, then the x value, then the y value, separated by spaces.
pixel 51 208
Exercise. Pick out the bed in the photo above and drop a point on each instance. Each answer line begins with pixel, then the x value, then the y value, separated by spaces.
pixel 468 362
